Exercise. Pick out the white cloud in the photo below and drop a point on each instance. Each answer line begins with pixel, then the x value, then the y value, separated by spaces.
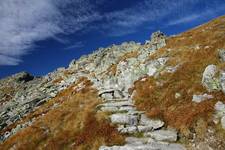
pixel 75 45
pixel 6 60
pixel 206 14
pixel 24 22
pixel 184 19
pixel 129 20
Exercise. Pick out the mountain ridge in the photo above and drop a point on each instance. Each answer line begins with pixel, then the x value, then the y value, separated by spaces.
pixel 165 77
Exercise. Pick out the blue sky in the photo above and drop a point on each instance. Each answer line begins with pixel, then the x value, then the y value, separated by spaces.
pixel 40 36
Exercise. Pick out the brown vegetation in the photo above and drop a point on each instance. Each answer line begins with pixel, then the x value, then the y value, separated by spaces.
pixel 193 50
pixel 69 121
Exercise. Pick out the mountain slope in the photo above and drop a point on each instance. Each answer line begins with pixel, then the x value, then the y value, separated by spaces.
pixel 105 98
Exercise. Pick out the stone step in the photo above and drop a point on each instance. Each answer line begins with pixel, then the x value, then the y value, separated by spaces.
pixel 136 141
pixel 155 124
pixel 116 99
pixel 151 145
pixel 163 135
pixel 114 109
pixel 123 118
pixel 115 104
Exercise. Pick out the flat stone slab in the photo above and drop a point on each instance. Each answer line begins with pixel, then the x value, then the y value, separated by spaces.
pixel 135 140
pixel 163 135
pixel 114 109
pixel 122 118
pixel 116 104
pixel 155 124
pixel 149 146
pixel 144 128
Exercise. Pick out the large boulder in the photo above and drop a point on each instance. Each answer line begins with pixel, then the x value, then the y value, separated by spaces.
pixel 210 80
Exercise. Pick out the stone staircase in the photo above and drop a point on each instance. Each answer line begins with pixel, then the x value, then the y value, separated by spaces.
pixel 143 133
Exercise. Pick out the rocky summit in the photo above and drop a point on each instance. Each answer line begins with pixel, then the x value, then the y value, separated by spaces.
pixel 165 94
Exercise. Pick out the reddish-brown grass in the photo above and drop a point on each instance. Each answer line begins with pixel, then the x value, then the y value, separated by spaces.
pixel 74 124
pixel 159 100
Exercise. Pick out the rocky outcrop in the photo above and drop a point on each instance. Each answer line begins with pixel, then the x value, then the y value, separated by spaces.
pixel 213 79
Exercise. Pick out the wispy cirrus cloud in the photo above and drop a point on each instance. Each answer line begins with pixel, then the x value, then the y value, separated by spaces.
pixel 184 19
pixel 126 21
pixel 24 22
pixel 76 45
pixel 193 16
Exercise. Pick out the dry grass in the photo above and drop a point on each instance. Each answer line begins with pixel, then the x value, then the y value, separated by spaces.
pixel 160 101
pixel 74 124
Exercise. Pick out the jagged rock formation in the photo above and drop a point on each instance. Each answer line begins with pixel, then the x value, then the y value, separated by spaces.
pixel 157 94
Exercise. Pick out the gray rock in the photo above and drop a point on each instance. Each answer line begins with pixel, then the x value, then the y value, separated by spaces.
pixel 209 79
pixel 220 107
pixel 163 135
pixel 156 66
pixel 149 146
pixel 220 113
pixel 222 81
pixel 122 118
pixel 221 53
pixel 135 140
pixel 142 128
pixel 154 124
pixel 116 104
pixel 223 122
pixel 201 98
pixel 127 129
